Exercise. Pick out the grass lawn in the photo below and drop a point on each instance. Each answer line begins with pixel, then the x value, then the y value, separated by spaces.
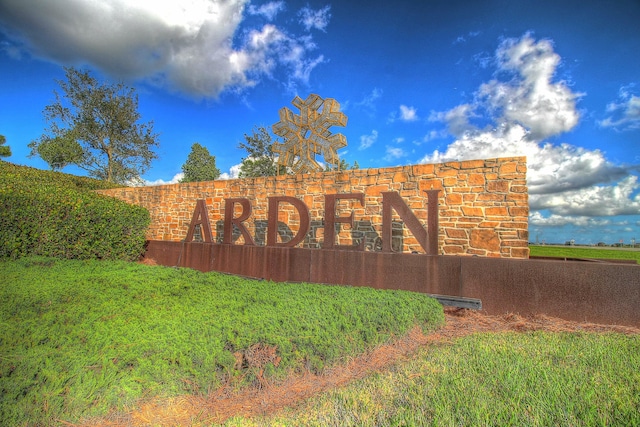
pixel 490 379
pixel 81 338
pixel 577 252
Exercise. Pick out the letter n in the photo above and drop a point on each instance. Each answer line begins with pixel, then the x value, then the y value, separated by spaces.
pixel 201 218
pixel 427 239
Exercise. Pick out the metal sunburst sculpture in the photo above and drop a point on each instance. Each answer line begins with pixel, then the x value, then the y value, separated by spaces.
pixel 307 134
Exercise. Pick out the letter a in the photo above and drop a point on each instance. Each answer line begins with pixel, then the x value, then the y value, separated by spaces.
pixel 201 218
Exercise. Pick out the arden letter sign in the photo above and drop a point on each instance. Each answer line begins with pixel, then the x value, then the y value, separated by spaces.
pixel 391 201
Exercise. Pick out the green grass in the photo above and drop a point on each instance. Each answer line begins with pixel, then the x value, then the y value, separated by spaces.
pixel 81 338
pixel 491 379
pixel 575 252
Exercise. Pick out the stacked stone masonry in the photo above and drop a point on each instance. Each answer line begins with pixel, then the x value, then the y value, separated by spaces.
pixel 483 206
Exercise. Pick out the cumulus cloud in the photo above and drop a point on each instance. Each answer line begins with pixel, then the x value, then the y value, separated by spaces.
pixel 536 219
pixel 624 112
pixel 194 46
pixel 598 200
pixel 175 180
pixel 394 153
pixel 405 114
pixel 457 119
pixel 268 10
pixel 530 98
pixel 558 228
pixel 368 103
pixel 463 38
pixel 233 173
pixel 432 135
pixel 408 114
pixel 317 19
pixel 367 141
pixel 522 112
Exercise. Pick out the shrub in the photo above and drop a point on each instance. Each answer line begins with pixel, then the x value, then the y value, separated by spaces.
pixel 55 214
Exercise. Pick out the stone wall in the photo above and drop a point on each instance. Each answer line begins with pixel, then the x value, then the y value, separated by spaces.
pixel 483 206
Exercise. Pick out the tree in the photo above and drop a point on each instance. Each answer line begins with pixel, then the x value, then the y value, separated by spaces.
pixel 261 160
pixel 200 165
pixel 344 165
pixel 96 129
pixel 5 150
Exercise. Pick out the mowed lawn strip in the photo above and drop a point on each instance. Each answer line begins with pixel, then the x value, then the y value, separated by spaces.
pixel 589 253
pixel 82 338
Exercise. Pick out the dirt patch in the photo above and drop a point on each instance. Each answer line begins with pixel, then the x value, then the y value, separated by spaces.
pixel 269 398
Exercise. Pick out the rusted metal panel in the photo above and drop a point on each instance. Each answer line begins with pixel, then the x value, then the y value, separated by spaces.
pixel 337 267
pixel 197 256
pixel 598 292
pixel 601 293
pixel 244 260
pixel 163 252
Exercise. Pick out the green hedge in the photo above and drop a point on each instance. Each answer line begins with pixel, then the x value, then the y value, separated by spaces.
pixel 55 214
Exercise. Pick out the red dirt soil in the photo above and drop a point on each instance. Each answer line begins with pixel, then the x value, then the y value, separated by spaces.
pixel 268 398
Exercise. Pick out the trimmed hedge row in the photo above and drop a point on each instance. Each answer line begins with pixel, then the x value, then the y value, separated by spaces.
pixel 55 214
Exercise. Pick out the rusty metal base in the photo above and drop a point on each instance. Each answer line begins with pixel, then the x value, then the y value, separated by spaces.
pixel 595 292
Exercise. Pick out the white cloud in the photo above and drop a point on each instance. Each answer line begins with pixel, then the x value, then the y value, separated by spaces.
pixel 233 173
pixel 536 219
pixel 318 19
pixel 393 153
pixel 367 141
pixel 190 46
pixel 483 59
pixel 408 114
pixel 175 180
pixel 522 112
pixel 625 113
pixel 432 135
pixel 368 103
pixel 268 10
pixel 463 38
pixel 457 119
pixel 11 50
pixel 598 200
pixel 531 98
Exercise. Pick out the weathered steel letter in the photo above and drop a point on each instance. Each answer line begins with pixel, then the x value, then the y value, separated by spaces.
pixel 230 221
pixel 200 217
pixel 427 239
pixel 330 220
pixel 432 221
pixel 272 225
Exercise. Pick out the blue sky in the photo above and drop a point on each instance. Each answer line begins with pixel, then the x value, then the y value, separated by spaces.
pixel 420 81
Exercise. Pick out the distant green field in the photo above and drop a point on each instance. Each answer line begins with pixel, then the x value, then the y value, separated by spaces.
pixel 574 252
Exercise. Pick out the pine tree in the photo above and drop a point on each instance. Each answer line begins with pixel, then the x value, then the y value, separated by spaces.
pixel 200 165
